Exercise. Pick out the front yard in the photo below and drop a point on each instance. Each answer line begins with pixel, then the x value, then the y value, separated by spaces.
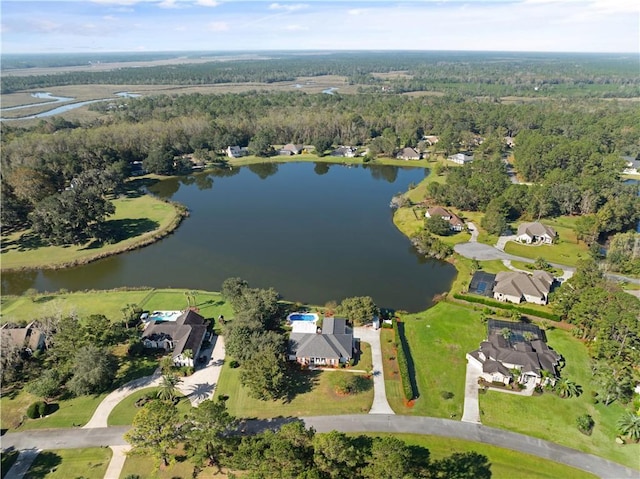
pixel 313 395
pixel 89 463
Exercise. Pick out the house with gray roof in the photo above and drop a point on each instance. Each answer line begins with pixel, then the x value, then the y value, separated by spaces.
pixel 408 153
pixel 345 152
pixel 455 223
pixel 535 232
pixel 331 345
pixel 515 352
pixel 27 339
pixel 517 286
pixel 184 334
pixel 290 149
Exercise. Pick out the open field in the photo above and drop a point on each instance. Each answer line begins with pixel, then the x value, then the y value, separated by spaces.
pixel 89 463
pixel 552 418
pixel 314 394
pixel 505 464
pixel 438 340
pixel 136 221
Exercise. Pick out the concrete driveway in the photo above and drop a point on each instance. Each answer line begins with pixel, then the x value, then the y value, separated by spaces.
pixel 471 407
pixel 380 404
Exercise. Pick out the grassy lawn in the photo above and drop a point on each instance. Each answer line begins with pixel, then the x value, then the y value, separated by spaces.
pixel 89 463
pixel 438 340
pixel 309 157
pixel 567 251
pixel 70 412
pixel 530 267
pixel 392 382
pixel 365 363
pixel 143 466
pixel 109 303
pixel 138 220
pixel 315 395
pixel 123 413
pixel 505 464
pixel 554 419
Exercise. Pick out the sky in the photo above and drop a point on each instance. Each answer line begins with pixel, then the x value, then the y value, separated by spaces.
pixel 80 26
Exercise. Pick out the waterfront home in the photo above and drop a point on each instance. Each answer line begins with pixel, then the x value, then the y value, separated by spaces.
pixel 330 346
pixel 408 154
pixel 516 287
pixel 183 337
pixel 455 223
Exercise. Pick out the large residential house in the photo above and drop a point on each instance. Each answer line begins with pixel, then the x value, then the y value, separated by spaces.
pixel 516 287
pixel 455 223
pixel 184 334
pixel 330 346
pixel 345 152
pixel 431 139
pixel 408 154
pixel 535 232
pixel 631 165
pixel 515 352
pixel 236 151
pixel 27 339
pixel 461 158
pixel 290 149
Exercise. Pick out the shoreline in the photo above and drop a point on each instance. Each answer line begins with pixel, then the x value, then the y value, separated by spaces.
pixel 181 212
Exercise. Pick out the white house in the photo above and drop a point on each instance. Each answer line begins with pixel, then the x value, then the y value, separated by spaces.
pixel 236 151
pixel 461 158
pixel 535 232
pixel 408 154
pixel 517 286
pixel 345 152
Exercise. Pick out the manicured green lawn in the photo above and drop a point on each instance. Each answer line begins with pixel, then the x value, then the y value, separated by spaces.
pixel 438 340
pixel 365 362
pixel 89 463
pixel 505 464
pixel 315 395
pixel 308 157
pixel 568 249
pixel 143 217
pixel 70 412
pixel 123 413
pixel 553 418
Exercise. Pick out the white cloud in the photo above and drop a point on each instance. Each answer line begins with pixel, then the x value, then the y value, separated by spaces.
pixel 109 18
pixel 169 4
pixel 208 3
pixel 356 11
pixel 296 28
pixel 119 2
pixel 287 7
pixel 218 27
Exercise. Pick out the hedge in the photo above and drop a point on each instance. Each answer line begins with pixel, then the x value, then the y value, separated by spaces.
pixel 403 364
pixel 37 409
pixel 509 306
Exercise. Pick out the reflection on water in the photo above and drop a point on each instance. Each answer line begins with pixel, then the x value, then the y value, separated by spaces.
pixel 314 233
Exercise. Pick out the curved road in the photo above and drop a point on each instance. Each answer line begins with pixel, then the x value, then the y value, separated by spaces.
pixel 76 438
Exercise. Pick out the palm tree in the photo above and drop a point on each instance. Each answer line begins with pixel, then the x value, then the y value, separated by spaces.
pixel 528 336
pixel 566 388
pixel 629 425
pixel 167 390
pixel 506 333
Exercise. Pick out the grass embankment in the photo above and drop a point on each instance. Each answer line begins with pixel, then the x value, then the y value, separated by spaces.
pixel 137 222
pixel 567 251
pixel 312 158
pixel 88 463
pixel 554 419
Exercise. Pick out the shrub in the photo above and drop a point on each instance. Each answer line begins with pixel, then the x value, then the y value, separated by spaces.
pixel 403 365
pixel 509 306
pixel 36 409
pixel 233 364
pixel 446 394
pixel 585 424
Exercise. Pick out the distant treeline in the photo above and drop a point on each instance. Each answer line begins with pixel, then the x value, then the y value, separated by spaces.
pixel 467 73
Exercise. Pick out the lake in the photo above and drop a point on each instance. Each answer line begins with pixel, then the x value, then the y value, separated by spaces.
pixel 314 231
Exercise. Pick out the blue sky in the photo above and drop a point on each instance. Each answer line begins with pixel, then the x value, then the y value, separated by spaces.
pixel 164 25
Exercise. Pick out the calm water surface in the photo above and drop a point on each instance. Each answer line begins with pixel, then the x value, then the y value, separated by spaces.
pixel 315 232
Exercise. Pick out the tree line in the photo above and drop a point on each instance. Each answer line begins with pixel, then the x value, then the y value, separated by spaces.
pixel 211 437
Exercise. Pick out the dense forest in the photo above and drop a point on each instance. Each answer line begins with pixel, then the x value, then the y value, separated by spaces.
pixel 471 73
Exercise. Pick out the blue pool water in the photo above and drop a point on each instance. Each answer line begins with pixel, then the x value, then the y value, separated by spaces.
pixel 302 317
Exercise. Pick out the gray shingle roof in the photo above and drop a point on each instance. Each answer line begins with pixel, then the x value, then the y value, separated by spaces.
pixel 335 341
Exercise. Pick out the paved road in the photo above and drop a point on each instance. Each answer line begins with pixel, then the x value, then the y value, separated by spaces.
pixel 380 404
pixel 76 438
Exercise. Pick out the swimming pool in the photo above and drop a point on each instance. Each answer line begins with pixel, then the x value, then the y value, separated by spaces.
pixel 302 317
pixel 164 315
